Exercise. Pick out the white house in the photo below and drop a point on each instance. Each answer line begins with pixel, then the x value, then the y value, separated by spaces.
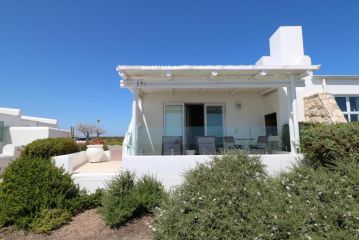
pixel 17 130
pixel 242 102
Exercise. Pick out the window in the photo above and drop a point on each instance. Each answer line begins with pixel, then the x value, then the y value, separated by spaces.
pixel 349 105
pixel 173 120
pixel 214 120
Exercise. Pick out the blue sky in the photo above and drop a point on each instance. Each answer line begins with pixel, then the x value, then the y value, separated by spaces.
pixel 58 58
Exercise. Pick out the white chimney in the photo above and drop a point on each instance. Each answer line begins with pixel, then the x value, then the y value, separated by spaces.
pixel 286 48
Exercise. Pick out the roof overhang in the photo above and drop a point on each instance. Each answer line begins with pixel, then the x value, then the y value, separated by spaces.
pixel 41 120
pixel 336 77
pixel 212 76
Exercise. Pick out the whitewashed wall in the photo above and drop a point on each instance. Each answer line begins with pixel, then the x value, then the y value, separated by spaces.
pixel 17 121
pixel 19 136
pixel 170 169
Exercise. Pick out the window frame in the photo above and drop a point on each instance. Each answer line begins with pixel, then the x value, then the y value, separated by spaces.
pixel 223 117
pixel 348 112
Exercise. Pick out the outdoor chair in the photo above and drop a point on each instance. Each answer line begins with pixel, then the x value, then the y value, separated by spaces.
pixel 229 143
pixel 206 145
pixel 262 145
pixel 219 144
pixel 172 145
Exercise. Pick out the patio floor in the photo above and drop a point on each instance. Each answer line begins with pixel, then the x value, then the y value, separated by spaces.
pixel 100 167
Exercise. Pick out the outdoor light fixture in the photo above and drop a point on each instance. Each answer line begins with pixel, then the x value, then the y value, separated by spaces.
pixel 238 105
pixel 263 73
pixel 121 74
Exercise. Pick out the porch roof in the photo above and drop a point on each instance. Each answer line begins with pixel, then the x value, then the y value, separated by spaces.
pixel 211 76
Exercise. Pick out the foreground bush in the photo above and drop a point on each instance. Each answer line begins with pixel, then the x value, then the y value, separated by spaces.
pixel 46 148
pixel 33 190
pixel 125 199
pixel 50 219
pixel 232 198
pixel 324 145
pixel 315 204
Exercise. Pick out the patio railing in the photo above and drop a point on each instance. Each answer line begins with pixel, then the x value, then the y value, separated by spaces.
pixel 247 138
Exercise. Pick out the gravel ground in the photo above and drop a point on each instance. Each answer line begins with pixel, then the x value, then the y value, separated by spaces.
pixel 90 226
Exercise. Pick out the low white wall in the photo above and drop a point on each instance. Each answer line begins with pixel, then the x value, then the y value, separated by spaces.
pixel 4 161
pixel 20 136
pixel 71 161
pixel 170 169
pixel 74 160
pixel 92 181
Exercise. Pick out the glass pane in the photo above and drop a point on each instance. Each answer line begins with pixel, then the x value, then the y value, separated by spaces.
pixel 342 103
pixel 354 104
pixel 354 117
pixel 214 121
pixel 346 117
pixel 173 120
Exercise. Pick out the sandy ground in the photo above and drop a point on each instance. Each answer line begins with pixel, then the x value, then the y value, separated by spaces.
pixel 89 226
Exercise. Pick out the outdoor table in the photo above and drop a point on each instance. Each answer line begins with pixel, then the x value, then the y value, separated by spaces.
pixel 245 142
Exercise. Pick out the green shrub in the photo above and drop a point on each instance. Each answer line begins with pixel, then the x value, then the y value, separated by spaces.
pixel 50 219
pixel 46 148
pixel 119 201
pixel 232 198
pixel 324 145
pixel 31 186
pixel 125 199
pixel 215 200
pixel 113 140
pixel 316 203
pixel 84 201
pixel 150 193
pixel 82 147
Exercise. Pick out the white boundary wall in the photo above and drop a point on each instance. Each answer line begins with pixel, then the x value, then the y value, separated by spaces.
pixel 88 181
pixel 20 136
pixel 170 169
pixel 74 160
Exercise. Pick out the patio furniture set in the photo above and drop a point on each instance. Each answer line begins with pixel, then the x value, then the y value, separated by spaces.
pixel 208 145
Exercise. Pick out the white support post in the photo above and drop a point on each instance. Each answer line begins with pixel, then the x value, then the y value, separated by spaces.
pixel 135 118
pixel 294 116
pixel 290 122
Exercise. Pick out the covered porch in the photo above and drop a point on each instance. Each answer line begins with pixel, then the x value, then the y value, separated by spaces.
pixel 203 110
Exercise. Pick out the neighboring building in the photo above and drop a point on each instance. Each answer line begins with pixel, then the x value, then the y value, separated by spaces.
pixel 243 102
pixel 17 130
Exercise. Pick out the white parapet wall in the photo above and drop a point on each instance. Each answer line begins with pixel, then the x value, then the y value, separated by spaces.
pixel 74 160
pixel 5 159
pixel 71 161
pixel 170 169
pixel 88 181
pixel 16 137
pixel 21 136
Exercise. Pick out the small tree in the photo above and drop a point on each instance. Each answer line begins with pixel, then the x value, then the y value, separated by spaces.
pixel 86 129
pixel 99 131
